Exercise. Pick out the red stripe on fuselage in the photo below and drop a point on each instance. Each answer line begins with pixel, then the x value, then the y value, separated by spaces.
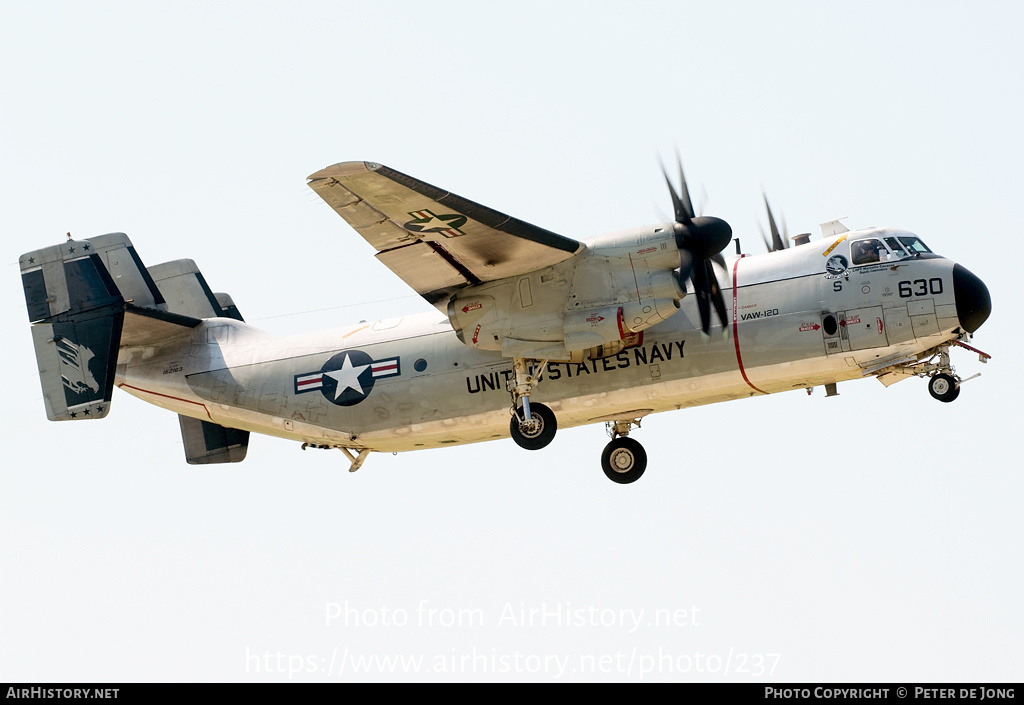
pixel 167 396
pixel 736 328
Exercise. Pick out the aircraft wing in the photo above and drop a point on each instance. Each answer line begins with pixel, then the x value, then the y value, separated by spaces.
pixel 148 326
pixel 435 241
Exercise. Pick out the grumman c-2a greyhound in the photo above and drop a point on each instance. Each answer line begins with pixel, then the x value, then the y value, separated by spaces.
pixel 533 330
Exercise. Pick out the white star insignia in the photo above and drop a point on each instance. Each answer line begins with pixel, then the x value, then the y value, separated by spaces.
pixel 347 377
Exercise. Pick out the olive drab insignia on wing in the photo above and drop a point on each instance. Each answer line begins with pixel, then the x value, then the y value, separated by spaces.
pixel 426 222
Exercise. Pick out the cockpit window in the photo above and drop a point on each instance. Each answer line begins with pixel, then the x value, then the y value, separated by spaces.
pixel 913 244
pixel 868 251
pixel 896 247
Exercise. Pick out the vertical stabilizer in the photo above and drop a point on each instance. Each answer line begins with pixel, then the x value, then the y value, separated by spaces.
pixel 209 443
pixel 187 292
pixel 77 312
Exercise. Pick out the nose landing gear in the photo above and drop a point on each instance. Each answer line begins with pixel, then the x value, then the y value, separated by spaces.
pixel 944 383
pixel 943 387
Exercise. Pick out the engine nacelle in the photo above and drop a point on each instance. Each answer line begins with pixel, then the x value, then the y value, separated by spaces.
pixel 607 301
pixel 476 321
pixel 592 328
pixel 640 315
pixel 599 327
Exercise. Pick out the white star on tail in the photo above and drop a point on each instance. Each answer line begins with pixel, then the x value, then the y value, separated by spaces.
pixel 347 377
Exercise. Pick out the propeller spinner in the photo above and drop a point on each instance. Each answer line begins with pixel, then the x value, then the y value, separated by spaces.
pixel 700 240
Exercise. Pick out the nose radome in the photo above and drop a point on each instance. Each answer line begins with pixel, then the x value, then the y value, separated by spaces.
pixel 973 303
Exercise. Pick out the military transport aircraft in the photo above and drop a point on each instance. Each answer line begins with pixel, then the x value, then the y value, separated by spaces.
pixel 533 330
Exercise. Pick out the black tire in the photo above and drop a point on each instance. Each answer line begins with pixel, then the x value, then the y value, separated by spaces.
pixel 539 433
pixel 943 387
pixel 624 460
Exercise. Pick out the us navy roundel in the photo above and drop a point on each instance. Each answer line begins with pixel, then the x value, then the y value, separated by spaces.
pixel 348 377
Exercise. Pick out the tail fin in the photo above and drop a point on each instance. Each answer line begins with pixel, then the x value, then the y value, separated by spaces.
pixel 187 292
pixel 208 443
pixel 78 311
pixel 86 298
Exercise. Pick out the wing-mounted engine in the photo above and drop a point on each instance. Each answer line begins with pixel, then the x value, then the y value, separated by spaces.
pixel 619 285
pixel 590 306
pixel 640 288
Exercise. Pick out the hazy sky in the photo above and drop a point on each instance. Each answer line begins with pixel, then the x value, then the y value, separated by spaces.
pixel 869 537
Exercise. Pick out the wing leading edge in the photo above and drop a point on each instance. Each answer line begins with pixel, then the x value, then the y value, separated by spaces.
pixel 433 240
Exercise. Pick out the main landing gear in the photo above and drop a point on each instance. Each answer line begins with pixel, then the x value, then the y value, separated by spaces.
pixel 537 431
pixel 624 459
pixel 533 426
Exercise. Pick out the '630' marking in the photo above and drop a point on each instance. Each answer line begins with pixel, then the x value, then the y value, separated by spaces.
pixel 920 287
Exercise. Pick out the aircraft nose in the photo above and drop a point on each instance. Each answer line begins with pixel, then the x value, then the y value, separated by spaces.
pixel 973 303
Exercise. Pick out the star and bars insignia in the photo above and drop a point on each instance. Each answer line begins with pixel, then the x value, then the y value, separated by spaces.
pixel 348 377
pixel 427 222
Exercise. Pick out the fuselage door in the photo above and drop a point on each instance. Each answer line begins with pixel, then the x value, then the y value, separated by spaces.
pixel 863 328
pixel 856 329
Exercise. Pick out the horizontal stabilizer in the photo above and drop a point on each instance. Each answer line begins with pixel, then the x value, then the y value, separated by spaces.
pixel 208 443
pixel 148 326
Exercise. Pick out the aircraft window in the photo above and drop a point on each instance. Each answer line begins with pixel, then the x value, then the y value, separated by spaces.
pixel 895 246
pixel 868 251
pixel 914 245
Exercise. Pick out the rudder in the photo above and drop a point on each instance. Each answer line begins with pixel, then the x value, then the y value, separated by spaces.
pixel 207 443
pixel 77 312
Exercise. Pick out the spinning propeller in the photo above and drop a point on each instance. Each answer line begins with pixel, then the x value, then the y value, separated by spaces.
pixel 700 240
pixel 778 242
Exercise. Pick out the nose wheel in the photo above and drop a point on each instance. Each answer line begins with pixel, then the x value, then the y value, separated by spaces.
pixel 943 387
pixel 943 382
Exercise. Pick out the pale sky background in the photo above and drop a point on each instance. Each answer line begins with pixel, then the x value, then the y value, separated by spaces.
pixel 870 537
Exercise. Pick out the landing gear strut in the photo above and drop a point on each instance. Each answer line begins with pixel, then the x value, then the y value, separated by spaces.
pixel 532 426
pixel 944 384
pixel 535 433
pixel 624 459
